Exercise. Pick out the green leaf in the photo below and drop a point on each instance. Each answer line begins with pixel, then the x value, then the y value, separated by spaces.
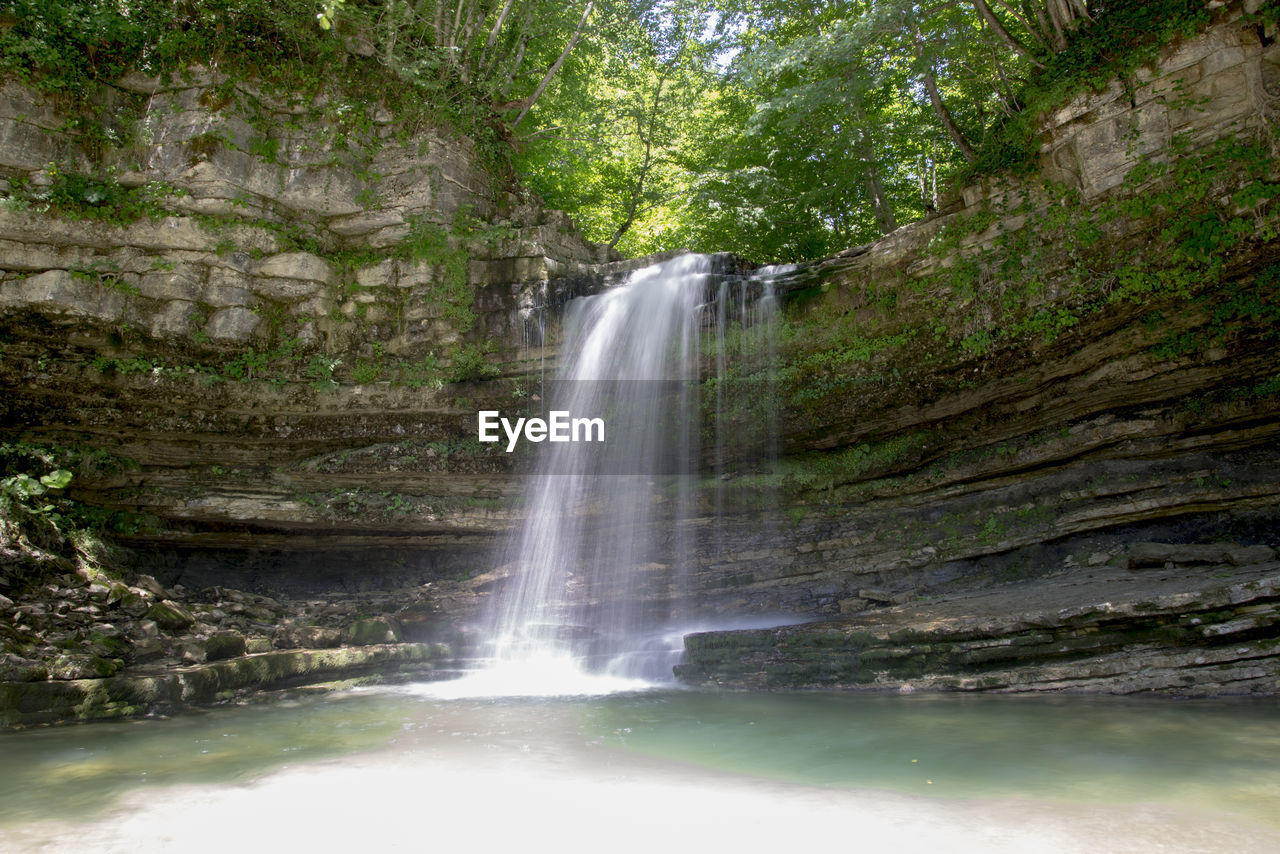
pixel 25 486
pixel 57 479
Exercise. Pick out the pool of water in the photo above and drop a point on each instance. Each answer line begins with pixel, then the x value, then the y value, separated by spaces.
pixel 406 769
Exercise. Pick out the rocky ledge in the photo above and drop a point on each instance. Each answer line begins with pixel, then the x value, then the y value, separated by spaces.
pixel 1169 619
pixel 164 691
pixel 87 647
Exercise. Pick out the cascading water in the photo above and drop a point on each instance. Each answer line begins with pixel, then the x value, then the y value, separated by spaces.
pixel 597 568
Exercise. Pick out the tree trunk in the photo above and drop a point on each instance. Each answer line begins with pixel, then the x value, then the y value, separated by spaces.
pixel 940 108
pixel 393 33
pixel 637 192
pixel 457 24
pixel 1058 21
pixel 1007 99
pixel 522 44
pixel 1031 29
pixel 883 211
pixel 1045 29
pixel 475 17
pixel 885 220
pixel 485 54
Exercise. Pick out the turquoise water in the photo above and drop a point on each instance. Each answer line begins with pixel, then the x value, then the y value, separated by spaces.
pixel 1084 749
pixel 1002 773
pixel 77 771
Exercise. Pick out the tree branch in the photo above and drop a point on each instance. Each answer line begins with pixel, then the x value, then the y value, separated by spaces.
pixel 521 42
pixel 1032 31
pixel 1005 36
pixel 885 220
pixel 637 192
pixel 493 36
pixel 555 66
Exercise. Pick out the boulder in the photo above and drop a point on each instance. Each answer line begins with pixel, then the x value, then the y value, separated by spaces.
pixel 78 666
pixel 373 630
pixel 155 588
pixel 148 649
pixel 421 622
pixel 230 594
pixel 193 651
pixel 223 645
pixel 106 641
pixel 134 602
pixel 171 616
pixel 14 668
pixel 116 591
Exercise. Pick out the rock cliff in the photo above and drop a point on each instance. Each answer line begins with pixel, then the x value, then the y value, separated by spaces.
pixel 264 319
pixel 1058 366
pixel 258 331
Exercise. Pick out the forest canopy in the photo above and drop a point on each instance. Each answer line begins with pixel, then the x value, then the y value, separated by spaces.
pixel 778 129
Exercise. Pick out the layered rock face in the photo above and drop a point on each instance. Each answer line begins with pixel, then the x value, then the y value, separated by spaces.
pixel 263 318
pixel 1046 370
pixel 254 326
pixel 1193 625
pixel 1105 374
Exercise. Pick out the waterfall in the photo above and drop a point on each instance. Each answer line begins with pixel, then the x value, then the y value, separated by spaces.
pixel 595 573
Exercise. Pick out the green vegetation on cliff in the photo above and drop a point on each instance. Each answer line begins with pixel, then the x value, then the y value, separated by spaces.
pixel 43 532
pixel 463 67
pixel 773 128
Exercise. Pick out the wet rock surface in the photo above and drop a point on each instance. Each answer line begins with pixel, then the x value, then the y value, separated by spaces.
pixel 84 647
pixel 168 690
pixel 1187 627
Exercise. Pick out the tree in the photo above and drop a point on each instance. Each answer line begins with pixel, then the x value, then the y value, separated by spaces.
pixel 840 138
pixel 613 137
pixel 860 109
pixel 506 51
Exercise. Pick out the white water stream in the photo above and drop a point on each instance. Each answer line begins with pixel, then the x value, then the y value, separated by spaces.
pixel 598 562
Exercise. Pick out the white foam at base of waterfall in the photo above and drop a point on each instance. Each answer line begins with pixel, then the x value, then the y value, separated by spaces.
pixel 546 674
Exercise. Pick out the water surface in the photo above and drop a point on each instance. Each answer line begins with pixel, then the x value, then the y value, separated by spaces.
pixel 402 769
